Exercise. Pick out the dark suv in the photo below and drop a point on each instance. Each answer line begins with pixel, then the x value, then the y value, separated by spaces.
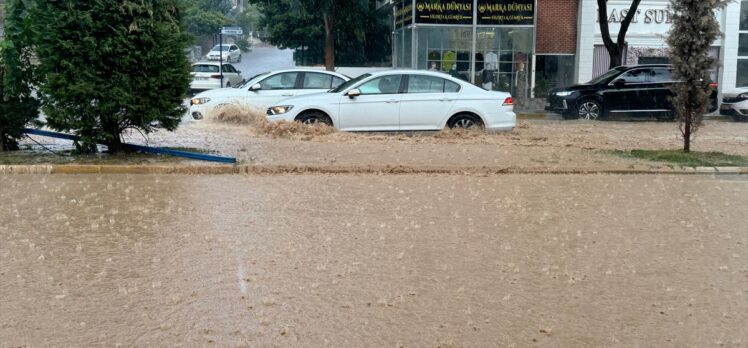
pixel 640 90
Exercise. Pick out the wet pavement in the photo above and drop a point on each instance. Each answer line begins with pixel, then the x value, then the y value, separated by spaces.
pixel 377 261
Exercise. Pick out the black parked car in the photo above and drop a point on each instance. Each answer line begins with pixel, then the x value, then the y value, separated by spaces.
pixel 640 90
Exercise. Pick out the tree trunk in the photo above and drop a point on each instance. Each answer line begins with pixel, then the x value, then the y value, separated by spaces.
pixel 687 133
pixel 615 49
pixel 329 18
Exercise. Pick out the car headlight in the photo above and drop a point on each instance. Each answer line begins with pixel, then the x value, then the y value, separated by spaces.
pixel 280 110
pixel 198 101
pixel 564 93
pixel 743 96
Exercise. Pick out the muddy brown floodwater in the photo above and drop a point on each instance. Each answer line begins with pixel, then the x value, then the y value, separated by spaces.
pixel 373 261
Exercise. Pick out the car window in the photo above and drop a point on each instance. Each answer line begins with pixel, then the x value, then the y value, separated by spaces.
pixel 234 48
pixel 425 84
pixel 280 81
pixel 661 75
pixel 317 81
pixel 205 68
pixel 228 68
pixel 350 83
pixel 451 87
pixel 337 82
pixel 636 76
pixel 389 84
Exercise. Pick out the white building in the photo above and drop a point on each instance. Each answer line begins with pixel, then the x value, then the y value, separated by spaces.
pixel 646 39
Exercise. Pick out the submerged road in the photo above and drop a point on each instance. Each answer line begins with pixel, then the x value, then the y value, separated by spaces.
pixel 377 261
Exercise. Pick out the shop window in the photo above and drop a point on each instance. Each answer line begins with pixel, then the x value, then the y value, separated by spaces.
pixel 743 45
pixel 403 48
pixel 742 73
pixel 654 60
pixel 503 60
pixel 552 71
pixel 744 15
pixel 445 49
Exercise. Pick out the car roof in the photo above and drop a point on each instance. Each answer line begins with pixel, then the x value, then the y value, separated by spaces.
pixel 648 66
pixel 307 70
pixel 411 72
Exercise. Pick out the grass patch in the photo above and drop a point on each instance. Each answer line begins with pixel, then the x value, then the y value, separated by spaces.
pixel 692 159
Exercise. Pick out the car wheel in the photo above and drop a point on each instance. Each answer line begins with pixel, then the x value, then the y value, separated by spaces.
pixel 465 121
pixel 589 110
pixel 228 84
pixel 314 117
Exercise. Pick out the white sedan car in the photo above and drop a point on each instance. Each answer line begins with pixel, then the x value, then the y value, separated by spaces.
pixel 398 100
pixel 227 52
pixel 735 104
pixel 207 75
pixel 267 89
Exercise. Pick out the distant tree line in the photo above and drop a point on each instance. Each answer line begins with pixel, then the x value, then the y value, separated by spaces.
pixel 336 32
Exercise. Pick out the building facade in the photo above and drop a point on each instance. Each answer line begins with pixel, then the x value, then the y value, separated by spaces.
pixel 527 47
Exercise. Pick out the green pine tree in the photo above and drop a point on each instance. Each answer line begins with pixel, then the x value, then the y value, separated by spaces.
pixel 694 30
pixel 18 107
pixel 111 65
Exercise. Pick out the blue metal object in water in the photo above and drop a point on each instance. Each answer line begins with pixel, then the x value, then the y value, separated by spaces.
pixel 139 148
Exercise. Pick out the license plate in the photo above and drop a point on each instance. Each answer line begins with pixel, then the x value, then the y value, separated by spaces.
pixel 201 78
pixel 725 107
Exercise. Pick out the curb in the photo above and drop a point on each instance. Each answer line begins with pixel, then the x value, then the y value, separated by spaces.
pixel 322 169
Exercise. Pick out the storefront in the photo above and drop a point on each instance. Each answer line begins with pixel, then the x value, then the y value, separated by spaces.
pixel 486 42
pixel 646 39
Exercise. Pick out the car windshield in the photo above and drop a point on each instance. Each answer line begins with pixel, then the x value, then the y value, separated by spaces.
pixel 218 48
pixel 205 68
pixel 255 79
pixel 350 83
pixel 608 75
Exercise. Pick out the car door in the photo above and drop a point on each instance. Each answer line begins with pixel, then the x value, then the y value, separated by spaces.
pixel 313 82
pixel 376 109
pixel 426 102
pixel 661 91
pixel 273 89
pixel 626 93
pixel 231 76
pixel 234 53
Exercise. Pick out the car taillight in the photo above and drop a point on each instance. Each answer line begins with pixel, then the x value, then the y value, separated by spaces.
pixel 215 76
pixel 508 101
pixel 713 85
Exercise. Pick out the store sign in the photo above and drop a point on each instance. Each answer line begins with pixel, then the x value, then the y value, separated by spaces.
pixel 403 13
pixel 444 12
pixel 513 12
pixel 652 18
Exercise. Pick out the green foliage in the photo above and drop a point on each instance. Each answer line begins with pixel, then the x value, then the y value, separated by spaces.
pixel 694 30
pixel 18 107
pixel 204 22
pixel 111 65
pixel 362 35
pixel 691 159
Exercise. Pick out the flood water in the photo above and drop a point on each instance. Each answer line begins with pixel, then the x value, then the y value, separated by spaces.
pixel 378 261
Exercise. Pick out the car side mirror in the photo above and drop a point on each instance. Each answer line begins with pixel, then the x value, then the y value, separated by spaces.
pixel 619 83
pixel 353 93
pixel 256 87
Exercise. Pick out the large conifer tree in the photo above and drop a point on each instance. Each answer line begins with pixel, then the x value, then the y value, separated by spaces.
pixel 111 65
pixel 18 107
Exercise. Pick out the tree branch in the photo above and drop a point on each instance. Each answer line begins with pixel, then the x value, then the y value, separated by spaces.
pixel 626 22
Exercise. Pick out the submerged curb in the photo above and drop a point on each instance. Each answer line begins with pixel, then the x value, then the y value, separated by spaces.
pixel 325 169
